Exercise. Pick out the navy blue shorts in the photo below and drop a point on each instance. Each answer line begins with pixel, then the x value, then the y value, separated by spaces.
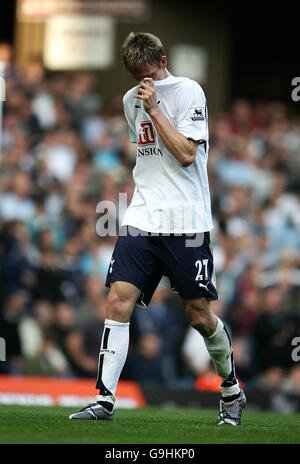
pixel 143 259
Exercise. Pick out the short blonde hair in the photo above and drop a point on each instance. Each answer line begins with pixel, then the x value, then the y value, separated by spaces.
pixel 140 48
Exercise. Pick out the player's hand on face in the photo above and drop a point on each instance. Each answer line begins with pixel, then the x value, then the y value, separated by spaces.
pixel 146 92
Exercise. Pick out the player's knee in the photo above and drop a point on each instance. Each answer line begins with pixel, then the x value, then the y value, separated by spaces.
pixel 203 326
pixel 118 308
pixel 197 309
pixel 199 315
pixel 200 322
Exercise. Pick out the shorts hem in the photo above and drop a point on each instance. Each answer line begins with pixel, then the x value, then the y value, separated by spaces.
pixel 130 281
pixel 207 295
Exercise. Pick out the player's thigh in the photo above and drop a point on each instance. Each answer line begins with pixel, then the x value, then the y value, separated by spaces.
pixel 135 261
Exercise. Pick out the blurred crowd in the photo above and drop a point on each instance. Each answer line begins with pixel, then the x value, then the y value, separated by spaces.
pixel 65 148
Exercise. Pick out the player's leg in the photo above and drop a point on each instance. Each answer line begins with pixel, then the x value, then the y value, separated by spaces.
pixel 191 271
pixel 133 264
pixel 115 339
pixel 113 351
pixel 216 338
pixel 218 344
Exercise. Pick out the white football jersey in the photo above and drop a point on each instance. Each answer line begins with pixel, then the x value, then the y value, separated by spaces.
pixel 168 197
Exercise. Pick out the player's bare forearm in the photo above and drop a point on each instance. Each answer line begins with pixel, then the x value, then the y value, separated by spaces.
pixel 179 146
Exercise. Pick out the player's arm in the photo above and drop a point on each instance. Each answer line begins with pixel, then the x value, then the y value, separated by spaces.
pixel 130 122
pixel 182 148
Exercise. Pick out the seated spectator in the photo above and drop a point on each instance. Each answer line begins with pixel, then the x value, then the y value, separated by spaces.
pixel 10 317
pixel 17 203
pixel 144 364
pixel 70 340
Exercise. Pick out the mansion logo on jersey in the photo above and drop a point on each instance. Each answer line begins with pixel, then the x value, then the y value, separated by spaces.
pixel 147 137
pixel 146 134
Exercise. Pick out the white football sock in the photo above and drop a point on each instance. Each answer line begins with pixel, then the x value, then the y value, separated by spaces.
pixel 219 348
pixel 112 357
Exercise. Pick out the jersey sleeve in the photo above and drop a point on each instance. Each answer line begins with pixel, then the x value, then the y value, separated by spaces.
pixel 191 114
pixel 130 122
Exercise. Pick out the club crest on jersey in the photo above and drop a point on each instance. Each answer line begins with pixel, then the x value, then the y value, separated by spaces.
pixel 197 114
pixel 146 133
